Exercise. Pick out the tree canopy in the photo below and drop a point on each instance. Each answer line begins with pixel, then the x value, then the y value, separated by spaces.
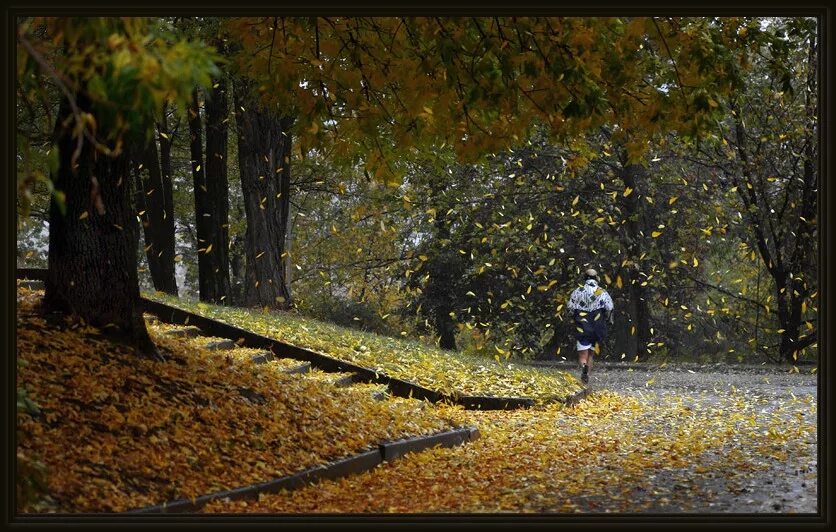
pixel 455 174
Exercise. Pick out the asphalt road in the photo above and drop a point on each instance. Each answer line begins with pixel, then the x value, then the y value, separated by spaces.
pixel 788 486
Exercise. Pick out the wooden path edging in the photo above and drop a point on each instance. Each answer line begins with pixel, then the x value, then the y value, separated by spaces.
pixel 358 463
pixel 576 397
pixel 33 274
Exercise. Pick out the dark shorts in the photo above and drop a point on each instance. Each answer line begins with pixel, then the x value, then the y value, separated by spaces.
pixel 591 329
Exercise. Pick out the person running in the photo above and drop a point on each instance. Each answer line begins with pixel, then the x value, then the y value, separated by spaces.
pixel 591 307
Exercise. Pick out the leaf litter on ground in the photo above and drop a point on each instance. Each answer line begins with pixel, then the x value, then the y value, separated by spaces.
pixel 117 431
pixel 611 453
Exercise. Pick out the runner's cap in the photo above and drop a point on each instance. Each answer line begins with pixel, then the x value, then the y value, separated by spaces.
pixel 592 273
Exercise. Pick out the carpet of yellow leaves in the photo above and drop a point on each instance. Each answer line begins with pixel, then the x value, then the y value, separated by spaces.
pixel 119 432
pixel 610 451
pixel 449 373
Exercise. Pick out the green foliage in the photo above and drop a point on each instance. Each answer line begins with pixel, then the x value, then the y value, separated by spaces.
pixel 125 69
pixel 377 87
pixel 348 313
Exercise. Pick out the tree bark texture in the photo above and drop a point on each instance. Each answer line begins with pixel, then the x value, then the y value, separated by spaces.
pixel 93 239
pixel 264 144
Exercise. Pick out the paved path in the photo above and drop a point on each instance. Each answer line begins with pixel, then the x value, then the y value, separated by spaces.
pixel 788 487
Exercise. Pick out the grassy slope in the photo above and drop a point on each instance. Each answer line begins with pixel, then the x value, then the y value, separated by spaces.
pixel 444 371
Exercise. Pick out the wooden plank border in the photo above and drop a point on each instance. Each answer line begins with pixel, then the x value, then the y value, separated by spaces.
pixel 576 397
pixel 33 274
pixel 327 363
pixel 494 403
pixel 396 449
pixel 357 463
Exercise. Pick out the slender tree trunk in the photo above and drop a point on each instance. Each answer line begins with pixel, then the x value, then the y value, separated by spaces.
pixel 154 202
pixel 217 183
pixel 446 267
pixel 441 288
pixel 236 265
pixel 207 221
pixel 446 328
pixel 791 341
pixel 264 144
pixel 168 239
pixel 93 239
pixel 236 262
pixel 639 316
pixel 785 257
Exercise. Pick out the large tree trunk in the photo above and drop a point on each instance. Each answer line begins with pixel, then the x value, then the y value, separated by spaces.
pixel 156 206
pixel 93 239
pixel 211 285
pixel 637 308
pixel 264 144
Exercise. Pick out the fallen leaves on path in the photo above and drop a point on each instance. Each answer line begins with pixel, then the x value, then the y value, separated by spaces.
pixel 609 453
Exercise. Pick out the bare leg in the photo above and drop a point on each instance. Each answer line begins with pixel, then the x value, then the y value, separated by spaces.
pixel 583 356
pixel 583 359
